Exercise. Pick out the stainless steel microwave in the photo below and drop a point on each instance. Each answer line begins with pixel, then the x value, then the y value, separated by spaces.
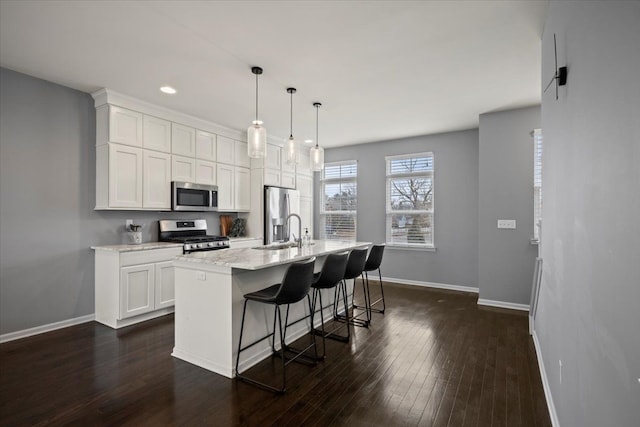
pixel 187 196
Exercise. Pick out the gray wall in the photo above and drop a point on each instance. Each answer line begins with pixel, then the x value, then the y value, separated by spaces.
pixel 47 195
pixel 506 257
pixel 455 261
pixel 588 313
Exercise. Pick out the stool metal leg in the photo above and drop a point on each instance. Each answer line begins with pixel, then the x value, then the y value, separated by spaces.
pixel 381 299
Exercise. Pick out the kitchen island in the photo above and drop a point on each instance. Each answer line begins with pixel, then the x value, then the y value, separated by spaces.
pixel 209 296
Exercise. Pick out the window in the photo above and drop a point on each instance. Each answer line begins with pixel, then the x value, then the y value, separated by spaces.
pixel 537 183
pixel 339 201
pixel 410 200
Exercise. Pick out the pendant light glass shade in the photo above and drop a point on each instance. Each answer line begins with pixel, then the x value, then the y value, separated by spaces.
pixel 292 150
pixel 317 152
pixel 257 140
pixel 256 133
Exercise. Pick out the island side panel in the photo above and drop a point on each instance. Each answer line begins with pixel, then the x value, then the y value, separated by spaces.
pixel 203 313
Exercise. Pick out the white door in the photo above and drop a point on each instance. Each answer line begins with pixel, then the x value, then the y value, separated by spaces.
pixel 225 180
pixel 183 169
pixel 137 289
pixel 288 180
pixel 183 140
pixel 241 155
pixel 156 134
pixel 242 189
pixel 164 292
pixel 205 172
pixel 304 185
pixel 125 176
pixel 306 213
pixel 225 150
pixel 274 160
pixel 205 145
pixel 156 182
pixel 125 126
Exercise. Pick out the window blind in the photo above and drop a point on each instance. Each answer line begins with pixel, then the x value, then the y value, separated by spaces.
pixel 339 201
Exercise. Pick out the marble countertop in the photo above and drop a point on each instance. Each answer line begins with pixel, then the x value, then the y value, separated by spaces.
pixel 256 259
pixel 239 239
pixel 142 247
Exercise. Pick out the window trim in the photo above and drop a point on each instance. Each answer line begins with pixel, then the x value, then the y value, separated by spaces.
pixel 322 212
pixel 538 145
pixel 429 247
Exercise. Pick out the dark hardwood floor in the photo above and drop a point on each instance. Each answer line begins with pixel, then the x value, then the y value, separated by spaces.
pixel 434 358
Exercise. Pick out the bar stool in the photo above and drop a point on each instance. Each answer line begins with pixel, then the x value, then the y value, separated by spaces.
pixel 355 267
pixel 373 263
pixel 331 276
pixel 294 287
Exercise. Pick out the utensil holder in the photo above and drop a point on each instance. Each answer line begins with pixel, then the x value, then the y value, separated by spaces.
pixel 135 237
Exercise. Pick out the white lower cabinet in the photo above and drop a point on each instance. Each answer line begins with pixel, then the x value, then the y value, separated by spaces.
pixel 133 286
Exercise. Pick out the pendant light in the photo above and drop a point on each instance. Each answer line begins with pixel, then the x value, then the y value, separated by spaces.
pixel 317 152
pixel 257 134
pixel 293 153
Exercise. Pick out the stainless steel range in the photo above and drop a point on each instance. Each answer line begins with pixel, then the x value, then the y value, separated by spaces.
pixel 192 233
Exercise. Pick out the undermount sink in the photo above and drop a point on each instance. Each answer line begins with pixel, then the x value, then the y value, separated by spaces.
pixel 278 246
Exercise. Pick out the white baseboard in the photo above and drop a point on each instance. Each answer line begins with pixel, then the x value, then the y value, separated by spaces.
pixel 503 304
pixel 545 383
pixel 426 284
pixel 46 328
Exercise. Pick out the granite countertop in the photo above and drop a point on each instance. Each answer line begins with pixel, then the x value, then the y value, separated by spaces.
pixel 239 239
pixel 256 259
pixel 142 247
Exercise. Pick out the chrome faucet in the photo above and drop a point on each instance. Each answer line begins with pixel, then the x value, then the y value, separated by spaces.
pixel 299 239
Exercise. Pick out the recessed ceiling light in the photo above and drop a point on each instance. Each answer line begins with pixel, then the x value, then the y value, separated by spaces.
pixel 308 141
pixel 168 89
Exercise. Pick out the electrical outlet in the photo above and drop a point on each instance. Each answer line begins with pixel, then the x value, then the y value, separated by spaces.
pixel 507 223
pixel 127 223
pixel 202 275
pixel 560 371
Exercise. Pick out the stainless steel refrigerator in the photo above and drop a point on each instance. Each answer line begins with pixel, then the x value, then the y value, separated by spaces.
pixel 278 204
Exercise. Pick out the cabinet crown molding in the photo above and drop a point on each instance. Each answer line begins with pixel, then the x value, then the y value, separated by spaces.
pixel 106 96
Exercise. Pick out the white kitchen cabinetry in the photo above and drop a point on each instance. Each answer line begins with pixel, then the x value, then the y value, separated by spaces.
pixel 304 167
pixel 206 172
pixel 205 146
pixel 288 180
pixel 241 157
pixel 225 150
pixel 242 191
pixel 274 157
pixel 119 125
pixel 156 180
pixel 183 169
pixel 272 177
pixel 156 134
pixel 121 170
pixel 305 185
pixel 133 286
pixel 225 180
pixel 183 140
pixel 284 166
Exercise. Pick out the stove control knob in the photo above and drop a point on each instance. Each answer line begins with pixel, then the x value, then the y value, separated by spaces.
pixel 221 244
pixel 187 246
pixel 199 245
pixel 210 244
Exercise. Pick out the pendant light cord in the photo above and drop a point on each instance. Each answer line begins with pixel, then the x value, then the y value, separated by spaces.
pixel 317 109
pixel 291 117
pixel 256 97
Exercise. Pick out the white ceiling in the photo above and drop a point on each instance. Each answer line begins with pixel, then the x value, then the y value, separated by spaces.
pixel 382 69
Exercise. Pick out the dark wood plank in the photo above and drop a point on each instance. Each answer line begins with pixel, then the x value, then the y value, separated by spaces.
pixel 434 358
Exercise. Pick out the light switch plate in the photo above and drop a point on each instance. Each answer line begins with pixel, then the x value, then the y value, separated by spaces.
pixel 507 223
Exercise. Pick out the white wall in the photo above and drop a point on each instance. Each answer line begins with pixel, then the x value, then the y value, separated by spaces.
pixel 589 314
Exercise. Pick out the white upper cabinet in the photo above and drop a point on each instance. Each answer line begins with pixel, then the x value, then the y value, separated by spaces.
pixel 242 190
pixel 183 140
pixel 183 169
pixel 286 167
pixel 125 176
pixel 274 157
pixel 225 150
pixel 156 181
pixel 205 146
pixel 304 167
pixel 125 126
pixel 226 191
pixel 156 134
pixel 288 180
pixel 206 172
pixel 241 156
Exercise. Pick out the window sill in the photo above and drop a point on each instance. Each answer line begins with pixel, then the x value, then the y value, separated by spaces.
pixel 411 248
